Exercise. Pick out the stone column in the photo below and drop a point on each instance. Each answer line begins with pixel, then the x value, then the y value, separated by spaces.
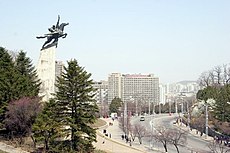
pixel 46 72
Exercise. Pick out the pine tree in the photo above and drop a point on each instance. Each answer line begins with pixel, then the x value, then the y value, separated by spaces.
pixel 8 79
pixel 222 108
pixel 18 79
pixel 115 105
pixel 46 127
pixel 28 83
pixel 76 106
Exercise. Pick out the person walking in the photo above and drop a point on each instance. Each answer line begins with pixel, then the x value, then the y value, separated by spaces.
pixel 103 140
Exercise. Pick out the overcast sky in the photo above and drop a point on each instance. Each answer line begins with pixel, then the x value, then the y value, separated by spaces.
pixel 174 39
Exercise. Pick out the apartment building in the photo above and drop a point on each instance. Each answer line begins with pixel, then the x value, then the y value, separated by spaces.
pixel 130 86
pixel 101 92
pixel 114 86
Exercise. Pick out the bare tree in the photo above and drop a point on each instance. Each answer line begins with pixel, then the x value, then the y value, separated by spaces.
pixel 226 76
pixel 20 117
pixel 132 133
pixel 162 135
pixel 124 124
pixel 178 138
pixel 217 147
pixel 204 79
pixel 218 76
pixel 140 131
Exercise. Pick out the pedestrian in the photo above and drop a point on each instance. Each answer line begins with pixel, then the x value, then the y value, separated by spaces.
pixel 110 135
pixel 122 137
pixel 103 140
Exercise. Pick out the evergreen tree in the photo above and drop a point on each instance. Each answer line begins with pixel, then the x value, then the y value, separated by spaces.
pixel 208 93
pixel 28 83
pixel 76 106
pixel 8 80
pixel 222 107
pixel 46 127
pixel 17 79
pixel 115 105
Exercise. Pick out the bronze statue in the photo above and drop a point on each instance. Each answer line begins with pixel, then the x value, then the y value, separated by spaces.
pixel 55 33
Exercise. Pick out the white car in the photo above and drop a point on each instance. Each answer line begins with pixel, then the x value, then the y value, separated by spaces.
pixel 142 118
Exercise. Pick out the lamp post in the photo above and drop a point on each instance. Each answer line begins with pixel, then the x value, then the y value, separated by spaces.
pixel 149 107
pixel 206 121
pixel 125 118
pixel 176 105
pixel 159 108
pixel 182 107
pixel 188 120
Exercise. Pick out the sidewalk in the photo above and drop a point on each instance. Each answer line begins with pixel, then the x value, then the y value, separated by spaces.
pixel 7 148
pixel 115 144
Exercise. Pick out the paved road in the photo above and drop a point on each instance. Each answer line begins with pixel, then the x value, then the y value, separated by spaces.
pixel 115 144
pixel 194 141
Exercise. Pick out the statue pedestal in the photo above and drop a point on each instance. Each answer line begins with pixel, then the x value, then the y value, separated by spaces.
pixel 46 72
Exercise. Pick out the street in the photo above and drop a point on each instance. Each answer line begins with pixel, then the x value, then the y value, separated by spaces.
pixel 194 143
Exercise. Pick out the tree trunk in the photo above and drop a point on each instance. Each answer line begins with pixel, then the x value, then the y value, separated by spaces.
pixel 165 146
pixel 177 148
pixel 34 141
pixel 140 140
pixel 46 144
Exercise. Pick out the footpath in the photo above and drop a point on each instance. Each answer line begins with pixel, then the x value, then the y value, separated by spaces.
pixel 7 148
pixel 113 143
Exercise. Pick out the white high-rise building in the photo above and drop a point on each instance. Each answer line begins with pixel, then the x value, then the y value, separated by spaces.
pixel 128 86
pixel 145 87
pixel 162 94
pixel 114 86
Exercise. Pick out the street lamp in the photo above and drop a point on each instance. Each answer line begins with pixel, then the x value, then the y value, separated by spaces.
pixel 206 116
pixel 125 118
pixel 176 105
pixel 188 117
pixel 206 120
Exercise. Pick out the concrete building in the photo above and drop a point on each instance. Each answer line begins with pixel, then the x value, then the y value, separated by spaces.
pixel 129 86
pixel 101 92
pixel 145 87
pixel 101 97
pixel 114 86
pixel 186 87
pixel 163 94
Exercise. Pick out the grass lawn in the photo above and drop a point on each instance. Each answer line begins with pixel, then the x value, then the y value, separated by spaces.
pixel 98 123
pixel 2 151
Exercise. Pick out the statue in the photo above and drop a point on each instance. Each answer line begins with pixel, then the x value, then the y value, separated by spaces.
pixel 55 33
